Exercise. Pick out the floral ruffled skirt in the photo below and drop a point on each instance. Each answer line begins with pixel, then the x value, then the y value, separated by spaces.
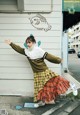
pixel 48 85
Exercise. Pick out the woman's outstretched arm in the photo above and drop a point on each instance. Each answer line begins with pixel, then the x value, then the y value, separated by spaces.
pixel 17 48
pixel 53 59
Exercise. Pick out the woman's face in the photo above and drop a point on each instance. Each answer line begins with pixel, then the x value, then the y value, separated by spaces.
pixel 29 43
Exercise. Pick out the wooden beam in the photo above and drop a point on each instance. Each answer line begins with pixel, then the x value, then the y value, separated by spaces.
pixel 20 5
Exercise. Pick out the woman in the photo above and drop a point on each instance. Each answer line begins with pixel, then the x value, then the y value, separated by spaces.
pixel 47 84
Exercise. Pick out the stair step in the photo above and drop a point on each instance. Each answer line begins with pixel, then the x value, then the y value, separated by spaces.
pixel 52 110
pixel 69 108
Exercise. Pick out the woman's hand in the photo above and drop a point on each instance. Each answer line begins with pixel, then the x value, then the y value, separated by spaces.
pixel 8 42
pixel 61 61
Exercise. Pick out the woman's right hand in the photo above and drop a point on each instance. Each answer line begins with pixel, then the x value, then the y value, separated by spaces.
pixel 8 41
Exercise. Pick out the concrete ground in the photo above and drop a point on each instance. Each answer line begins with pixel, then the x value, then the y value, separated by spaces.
pixel 8 103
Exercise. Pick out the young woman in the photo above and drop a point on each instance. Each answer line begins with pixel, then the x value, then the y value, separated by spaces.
pixel 47 84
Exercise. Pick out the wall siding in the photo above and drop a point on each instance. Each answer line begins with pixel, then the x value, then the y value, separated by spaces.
pixel 44 6
pixel 16 76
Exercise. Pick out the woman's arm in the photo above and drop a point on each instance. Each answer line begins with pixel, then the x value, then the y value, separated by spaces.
pixel 15 47
pixel 52 58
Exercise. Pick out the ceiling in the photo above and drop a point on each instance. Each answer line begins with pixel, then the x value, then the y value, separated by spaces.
pixel 67 4
pixel 70 19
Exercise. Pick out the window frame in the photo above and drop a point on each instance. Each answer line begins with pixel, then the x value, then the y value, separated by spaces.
pixel 20 8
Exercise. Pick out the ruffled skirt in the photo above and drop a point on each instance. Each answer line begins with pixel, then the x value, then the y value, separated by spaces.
pixel 48 85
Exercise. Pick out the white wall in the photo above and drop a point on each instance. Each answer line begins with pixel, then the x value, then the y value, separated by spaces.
pixel 65 51
pixel 16 76
pixel 37 6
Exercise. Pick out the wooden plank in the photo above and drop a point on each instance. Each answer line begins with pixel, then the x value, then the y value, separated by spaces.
pixel 16 87
pixel 37 2
pixel 51 45
pixel 26 26
pixel 58 2
pixel 12 57
pixel 15 76
pixel 28 32
pixel 15 63
pixel 15 20
pixel 54 21
pixel 57 8
pixel 16 17
pixel 8 51
pixel 56 70
pixel 13 26
pixel 15 70
pixel 37 6
pixel 55 52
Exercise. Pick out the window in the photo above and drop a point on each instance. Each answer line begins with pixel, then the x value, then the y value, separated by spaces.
pixel 25 6
pixel 8 5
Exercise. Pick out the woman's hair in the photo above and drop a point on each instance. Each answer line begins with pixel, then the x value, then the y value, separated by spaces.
pixel 31 39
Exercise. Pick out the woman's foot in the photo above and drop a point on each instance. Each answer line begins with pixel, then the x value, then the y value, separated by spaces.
pixel 41 103
pixel 51 102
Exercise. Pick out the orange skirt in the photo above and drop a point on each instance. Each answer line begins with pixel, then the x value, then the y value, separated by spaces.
pixel 54 87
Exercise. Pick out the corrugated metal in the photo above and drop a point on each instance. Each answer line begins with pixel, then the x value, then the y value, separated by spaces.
pixel 72 5
pixel 16 76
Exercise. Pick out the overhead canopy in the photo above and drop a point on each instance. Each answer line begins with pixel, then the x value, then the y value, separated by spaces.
pixel 71 13
pixel 74 4
pixel 70 19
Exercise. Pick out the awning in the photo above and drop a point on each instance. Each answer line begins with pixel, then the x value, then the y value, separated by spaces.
pixel 71 4
pixel 70 19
